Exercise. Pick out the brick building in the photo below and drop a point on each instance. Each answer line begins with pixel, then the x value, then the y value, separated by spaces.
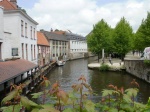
pixel 43 49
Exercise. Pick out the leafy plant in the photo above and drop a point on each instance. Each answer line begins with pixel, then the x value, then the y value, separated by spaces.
pixel 15 102
pixel 147 62
pixel 104 67
pixel 119 100
pixel 114 99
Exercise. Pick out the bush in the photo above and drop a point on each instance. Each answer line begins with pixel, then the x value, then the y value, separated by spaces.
pixel 147 63
pixel 104 67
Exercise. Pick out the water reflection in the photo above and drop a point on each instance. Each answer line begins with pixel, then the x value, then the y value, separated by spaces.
pixel 69 74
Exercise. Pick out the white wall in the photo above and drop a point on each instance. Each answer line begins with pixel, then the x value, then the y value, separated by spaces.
pixel 12 24
pixel 7 46
pixel 1 24
pixel 78 46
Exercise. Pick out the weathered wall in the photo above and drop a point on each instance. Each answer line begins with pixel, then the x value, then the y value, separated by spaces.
pixel 138 69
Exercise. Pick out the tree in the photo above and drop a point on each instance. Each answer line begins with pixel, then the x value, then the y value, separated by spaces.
pixel 122 38
pixel 98 39
pixel 142 38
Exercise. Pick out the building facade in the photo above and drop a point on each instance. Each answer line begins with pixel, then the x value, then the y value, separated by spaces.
pixel 43 49
pixel 77 46
pixel 18 45
pixel 58 45
pixel 19 31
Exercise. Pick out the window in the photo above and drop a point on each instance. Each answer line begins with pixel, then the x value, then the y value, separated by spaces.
pixel 22 28
pixel 22 51
pixel 14 51
pixel 25 29
pixel 31 53
pixel 26 52
pixel 34 33
pixel 0 50
pixel 53 42
pixel 31 32
pixel 34 52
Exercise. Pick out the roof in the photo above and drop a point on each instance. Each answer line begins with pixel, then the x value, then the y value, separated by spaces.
pixel 72 36
pixel 41 39
pixel 60 32
pixel 7 5
pixel 14 68
pixel 54 36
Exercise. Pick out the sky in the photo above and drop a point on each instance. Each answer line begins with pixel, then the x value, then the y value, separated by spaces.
pixel 79 16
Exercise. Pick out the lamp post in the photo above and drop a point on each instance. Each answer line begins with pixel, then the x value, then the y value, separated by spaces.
pixel 103 55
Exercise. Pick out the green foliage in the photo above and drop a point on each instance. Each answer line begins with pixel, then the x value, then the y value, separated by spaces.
pixel 28 103
pixel 114 99
pixel 10 96
pixel 16 108
pixel 69 110
pixel 147 62
pixel 99 38
pixel 104 67
pixel 132 92
pixel 142 37
pixel 36 95
pixel 89 106
pixel 122 37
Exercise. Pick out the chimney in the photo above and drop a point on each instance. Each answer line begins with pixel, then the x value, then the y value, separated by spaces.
pixel 14 2
pixel 51 30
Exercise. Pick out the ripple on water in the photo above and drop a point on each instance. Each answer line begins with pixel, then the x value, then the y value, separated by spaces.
pixel 69 74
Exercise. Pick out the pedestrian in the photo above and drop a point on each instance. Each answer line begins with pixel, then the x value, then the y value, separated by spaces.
pixel 110 59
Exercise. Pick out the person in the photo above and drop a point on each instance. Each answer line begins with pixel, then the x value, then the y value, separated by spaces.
pixel 110 59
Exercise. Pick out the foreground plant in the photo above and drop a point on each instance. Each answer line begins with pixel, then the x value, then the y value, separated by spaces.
pixel 15 102
pixel 114 99
pixel 119 100
pixel 78 97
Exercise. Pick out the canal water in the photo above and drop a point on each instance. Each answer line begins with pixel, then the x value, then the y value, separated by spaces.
pixel 69 73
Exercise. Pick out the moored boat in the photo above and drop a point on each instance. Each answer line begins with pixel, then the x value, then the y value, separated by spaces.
pixel 61 62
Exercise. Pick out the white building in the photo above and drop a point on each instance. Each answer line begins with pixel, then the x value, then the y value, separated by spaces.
pixel 19 33
pixel 77 46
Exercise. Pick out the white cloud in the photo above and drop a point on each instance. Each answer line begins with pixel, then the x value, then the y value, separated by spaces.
pixel 80 15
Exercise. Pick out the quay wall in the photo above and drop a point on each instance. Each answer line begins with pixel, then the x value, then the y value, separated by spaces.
pixel 138 69
pixel 79 55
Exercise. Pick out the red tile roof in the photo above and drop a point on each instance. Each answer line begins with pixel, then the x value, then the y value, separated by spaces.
pixel 13 68
pixel 7 5
pixel 41 39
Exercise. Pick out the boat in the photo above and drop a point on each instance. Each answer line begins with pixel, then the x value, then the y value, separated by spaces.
pixel 61 62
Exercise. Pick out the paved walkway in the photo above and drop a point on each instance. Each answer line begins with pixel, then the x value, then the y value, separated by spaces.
pixel 116 63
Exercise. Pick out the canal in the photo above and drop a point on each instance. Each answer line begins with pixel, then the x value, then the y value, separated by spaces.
pixel 72 70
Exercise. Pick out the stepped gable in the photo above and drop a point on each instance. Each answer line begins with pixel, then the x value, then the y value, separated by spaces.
pixel 14 68
pixel 7 5
pixel 41 39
